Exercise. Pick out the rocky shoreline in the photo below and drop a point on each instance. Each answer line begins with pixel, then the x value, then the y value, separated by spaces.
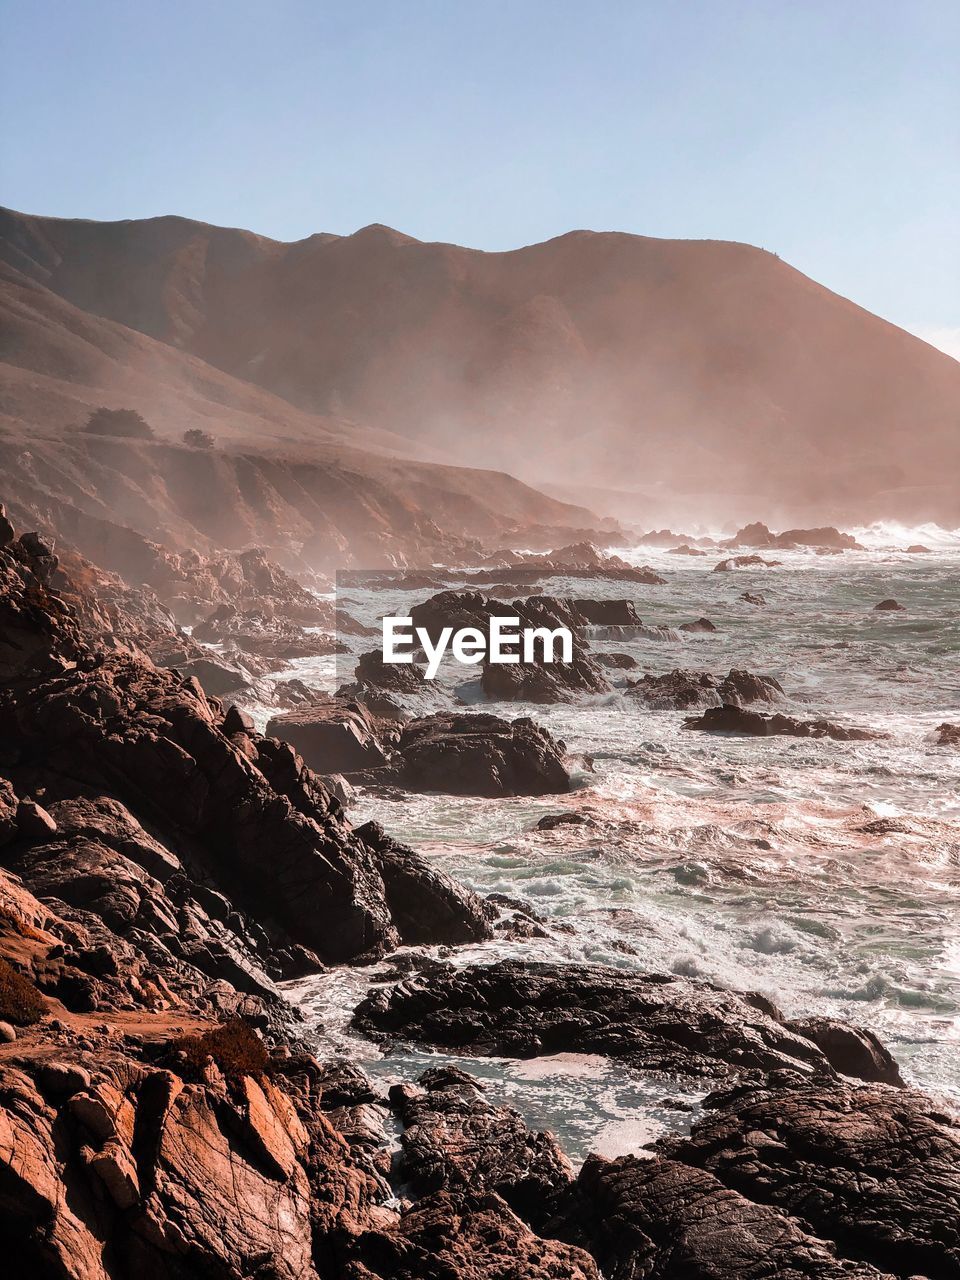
pixel 164 867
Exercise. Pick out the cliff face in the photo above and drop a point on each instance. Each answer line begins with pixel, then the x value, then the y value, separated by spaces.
pixel 705 366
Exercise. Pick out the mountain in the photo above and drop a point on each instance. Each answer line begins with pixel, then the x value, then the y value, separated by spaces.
pixel 706 369
pixel 280 476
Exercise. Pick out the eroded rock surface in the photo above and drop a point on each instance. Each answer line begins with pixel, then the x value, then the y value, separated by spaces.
pixel 653 1022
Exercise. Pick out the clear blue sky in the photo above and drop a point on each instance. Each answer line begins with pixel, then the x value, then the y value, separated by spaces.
pixel 826 130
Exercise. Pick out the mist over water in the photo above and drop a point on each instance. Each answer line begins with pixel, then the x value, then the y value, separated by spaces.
pixel 824 874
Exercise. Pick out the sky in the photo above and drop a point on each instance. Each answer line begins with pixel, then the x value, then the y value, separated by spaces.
pixel 828 132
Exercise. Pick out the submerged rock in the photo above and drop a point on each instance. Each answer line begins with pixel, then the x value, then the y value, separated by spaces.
pixel 889 606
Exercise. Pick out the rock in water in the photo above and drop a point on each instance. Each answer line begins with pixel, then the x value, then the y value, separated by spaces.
pixel 733 719
pixel 653 1022
pixel 481 755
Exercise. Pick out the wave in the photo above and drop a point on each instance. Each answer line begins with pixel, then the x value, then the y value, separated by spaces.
pixel 884 534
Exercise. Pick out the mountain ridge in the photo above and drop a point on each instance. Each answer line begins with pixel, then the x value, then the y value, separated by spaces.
pixel 707 368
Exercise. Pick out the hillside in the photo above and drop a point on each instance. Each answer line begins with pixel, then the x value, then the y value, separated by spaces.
pixel 696 367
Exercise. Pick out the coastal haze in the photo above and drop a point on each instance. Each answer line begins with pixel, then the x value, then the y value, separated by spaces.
pixel 316 965
pixel 654 380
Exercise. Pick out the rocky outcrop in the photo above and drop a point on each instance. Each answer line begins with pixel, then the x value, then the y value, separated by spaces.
pixel 74 723
pixel 543 682
pixel 468 1237
pixel 455 1140
pixel 681 690
pixel 110 1167
pixel 539 681
pixel 744 562
pixel 481 755
pixel 616 661
pixel 734 719
pixel 889 606
pixel 948 735
pixel 659 1217
pixel 333 736
pixel 875 1171
pixel 652 1022
pixel 260 633
pixel 826 537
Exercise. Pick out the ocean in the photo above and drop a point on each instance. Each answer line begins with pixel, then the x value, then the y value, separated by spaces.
pixel 823 874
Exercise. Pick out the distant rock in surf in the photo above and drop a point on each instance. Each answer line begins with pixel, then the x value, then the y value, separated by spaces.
pixel 733 719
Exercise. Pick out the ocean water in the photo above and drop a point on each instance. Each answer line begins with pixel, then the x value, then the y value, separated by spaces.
pixel 749 862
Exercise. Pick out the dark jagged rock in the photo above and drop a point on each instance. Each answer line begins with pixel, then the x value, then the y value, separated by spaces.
pixel 853 1051
pixel 550 821
pixel 701 624
pixel 685 550
pixel 241 811
pixel 681 690
pixel 607 613
pixel 616 661
pixel 889 606
pixel 874 1170
pixel 333 736
pixel 543 682
pixel 261 633
pixel 653 1022
pixel 466 1237
pixel 426 905
pixel 755 598
pixel 481 755
pixel 825 538
pixel 948 735
pixel 393 691
pixel 455 1140
pixel 734 719
pixel 539 681
pixel 664 1219
pixel 744 562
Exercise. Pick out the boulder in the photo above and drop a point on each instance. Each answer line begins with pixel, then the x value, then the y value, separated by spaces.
pixel 333 737
pixel 481 755
pixel 889 606
pixel 681 689
pixel 662 1218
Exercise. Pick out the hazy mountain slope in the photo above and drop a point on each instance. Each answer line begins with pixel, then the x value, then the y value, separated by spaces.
pixel 607 359
pixel 279 476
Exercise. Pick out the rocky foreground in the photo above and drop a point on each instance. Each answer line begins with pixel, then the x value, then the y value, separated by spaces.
pixel 163 868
